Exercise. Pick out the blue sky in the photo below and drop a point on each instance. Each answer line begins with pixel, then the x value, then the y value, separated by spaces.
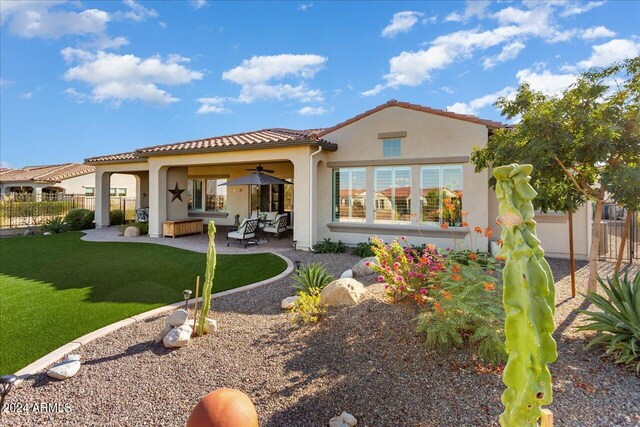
pixel 81 79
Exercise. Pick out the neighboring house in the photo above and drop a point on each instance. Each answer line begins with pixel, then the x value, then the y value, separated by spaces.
pixel 387 172
pixel 67 178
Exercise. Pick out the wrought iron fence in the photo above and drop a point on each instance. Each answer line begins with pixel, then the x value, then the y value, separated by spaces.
pixel 32 210
pixel 613 225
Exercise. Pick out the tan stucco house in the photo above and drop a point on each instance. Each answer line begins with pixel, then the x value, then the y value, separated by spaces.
pixel 389 172
pixel 66 178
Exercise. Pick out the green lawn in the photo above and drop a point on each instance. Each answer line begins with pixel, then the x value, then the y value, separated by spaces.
pixel 54 289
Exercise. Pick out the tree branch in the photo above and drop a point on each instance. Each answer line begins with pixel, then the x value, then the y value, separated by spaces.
pixel 571 177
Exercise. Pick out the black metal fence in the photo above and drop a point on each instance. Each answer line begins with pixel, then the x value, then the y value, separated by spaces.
pixel 31 210
pixel 614 222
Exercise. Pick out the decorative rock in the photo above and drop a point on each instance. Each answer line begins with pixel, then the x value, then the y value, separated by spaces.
pixel 132 231
pixel 177 318
pixel 162 333
pixel 46 233
pixel 65 369
pixel 289 302
pixel 343 420
pixel 178 337
pixel 342 292
pixel 28 233
pixel 362 269
pixel 210 325
pixel 347 274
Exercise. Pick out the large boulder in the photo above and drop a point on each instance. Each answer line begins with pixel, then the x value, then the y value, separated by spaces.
pixel 178 337
pixel 210 325
pixel 342 292
pixel 289 302
pixel 132 231
pixel 65 369
pixel 177 318
pixel 363 267
pixel 347 274
pixel 162 333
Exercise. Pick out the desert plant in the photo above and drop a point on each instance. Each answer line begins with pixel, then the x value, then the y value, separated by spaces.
pixel 308 308
pixel 116 217
pixel 142 226
pixel 528 301
pixel 208 278
pixel 618 326
pixel 79 219
pixel 363 250
pixel 329 247
pixel 312 276
pixel 55 225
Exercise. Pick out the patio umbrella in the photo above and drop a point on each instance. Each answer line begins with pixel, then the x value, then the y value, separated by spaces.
pixel 256 178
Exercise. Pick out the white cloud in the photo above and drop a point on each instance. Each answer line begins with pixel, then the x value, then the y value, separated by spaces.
pixel 31 19
pixel 475 8
pixel 446 89
pixel 138 12
pixel 105 43
pixel 4 82
pixel 401 22
pixel 607 53
pixel 213 105
pixel 197 4
pixel 597 32
pixel 27 95
pixel 477 104
pixel 256 77
pixel 127 77
pixel 79 97
pixel 545 81
pixel 509 52
pixel 515 27
pixel 305 6
pixel 577 8
pixel 312 111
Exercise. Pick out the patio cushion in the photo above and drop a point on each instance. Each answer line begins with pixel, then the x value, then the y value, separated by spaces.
pixel 240 236
pixel 270 216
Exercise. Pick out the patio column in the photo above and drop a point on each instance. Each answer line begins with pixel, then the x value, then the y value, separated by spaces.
pixel 302 200
pixel 102 198
pixel 157 199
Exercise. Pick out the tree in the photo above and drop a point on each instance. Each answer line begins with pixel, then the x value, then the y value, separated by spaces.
pixel 580 140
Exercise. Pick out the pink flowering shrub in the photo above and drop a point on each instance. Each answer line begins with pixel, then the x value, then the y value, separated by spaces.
pixel 408 272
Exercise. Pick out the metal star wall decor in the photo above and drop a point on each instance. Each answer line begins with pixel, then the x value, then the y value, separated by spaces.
pixel 177 193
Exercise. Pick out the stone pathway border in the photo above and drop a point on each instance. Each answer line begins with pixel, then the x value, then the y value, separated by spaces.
pixel 60 352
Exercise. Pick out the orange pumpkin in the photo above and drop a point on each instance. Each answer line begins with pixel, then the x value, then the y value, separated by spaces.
pixel 224 407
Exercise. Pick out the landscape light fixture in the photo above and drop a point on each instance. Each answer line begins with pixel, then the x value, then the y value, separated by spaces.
pixel 295 243
pixel 186 295
pixel 6 384
pixel 297 263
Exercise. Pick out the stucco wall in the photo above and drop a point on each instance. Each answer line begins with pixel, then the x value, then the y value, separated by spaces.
pixel 176 209
pixel 429 138
pixel 76 185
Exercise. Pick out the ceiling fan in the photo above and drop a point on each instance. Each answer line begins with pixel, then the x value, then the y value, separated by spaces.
pixel 259 168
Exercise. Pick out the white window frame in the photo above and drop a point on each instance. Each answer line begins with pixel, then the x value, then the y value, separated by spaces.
pixel 393 170
pixel 350 218
pixel 441 169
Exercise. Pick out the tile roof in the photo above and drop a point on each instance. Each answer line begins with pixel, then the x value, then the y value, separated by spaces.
pixel 255 139
pixel 393 103
pixel 46 173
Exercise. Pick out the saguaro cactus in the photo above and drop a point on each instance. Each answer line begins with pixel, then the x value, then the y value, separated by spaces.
pixel 528 300
pixel 208 278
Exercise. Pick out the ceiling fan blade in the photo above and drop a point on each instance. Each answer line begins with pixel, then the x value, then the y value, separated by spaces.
pixel 268 170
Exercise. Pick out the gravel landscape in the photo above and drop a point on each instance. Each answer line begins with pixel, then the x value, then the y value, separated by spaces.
pixel 365 360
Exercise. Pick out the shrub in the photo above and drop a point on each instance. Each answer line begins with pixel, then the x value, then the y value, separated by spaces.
pixel 79 219
pixel 55 225
pixel 465 307
pixel 363 250
pixel 617 327
pixel 116 217
pixel 142 226
pixel 329 247
pixel 484 259
pixel 308 308
pixel 312 277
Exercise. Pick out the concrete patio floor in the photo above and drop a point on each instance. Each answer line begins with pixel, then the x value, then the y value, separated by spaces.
pixel 194 242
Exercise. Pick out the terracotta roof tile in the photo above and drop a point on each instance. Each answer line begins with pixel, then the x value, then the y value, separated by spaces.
pixel 394 103
pixel 46 173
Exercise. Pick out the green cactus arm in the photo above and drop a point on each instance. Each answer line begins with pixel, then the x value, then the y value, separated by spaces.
pixel 208 278
pixel 529 302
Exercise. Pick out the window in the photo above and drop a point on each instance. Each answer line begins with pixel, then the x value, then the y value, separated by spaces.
pixel 112 192
pixel 391 147
pixel 206 195
pixel 116 192
pixel 441 195
pixel 392 195
pixel 89 191
pixel 349 195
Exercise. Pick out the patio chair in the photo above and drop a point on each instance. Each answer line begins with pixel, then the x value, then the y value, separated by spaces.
pixel 278 226
pixel 142 215
pixel 246 233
